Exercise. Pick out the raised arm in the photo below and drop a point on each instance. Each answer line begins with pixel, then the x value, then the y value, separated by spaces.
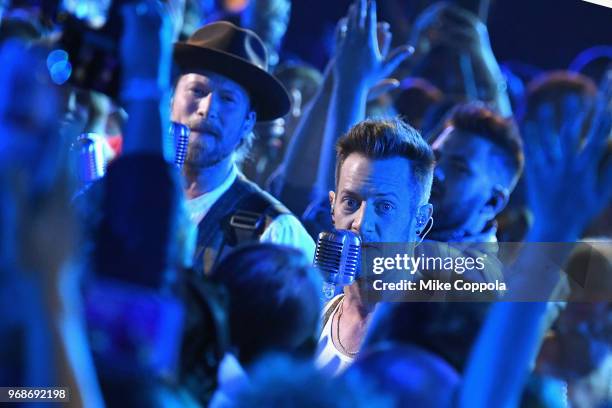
pixel 362 60
pixel 568 169
pixel 303 153
pixel 146 58
pixel 500 359
pixel 561 166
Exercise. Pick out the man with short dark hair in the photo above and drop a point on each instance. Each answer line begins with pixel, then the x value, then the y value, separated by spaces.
pixel 384 172
pixel 479 160
pixel 273 304
pixel 223 91
pixel 391 158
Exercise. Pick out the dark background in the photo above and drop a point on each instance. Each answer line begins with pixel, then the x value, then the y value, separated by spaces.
pixel 545 33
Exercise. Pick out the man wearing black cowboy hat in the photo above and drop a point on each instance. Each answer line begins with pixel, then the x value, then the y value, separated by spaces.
pixel 223 90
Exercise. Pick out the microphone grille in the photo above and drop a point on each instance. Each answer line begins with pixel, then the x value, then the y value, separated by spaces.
pixel 328 254
pixel 90 160
pixel 352 258
pixel 180 136
pixel 338 251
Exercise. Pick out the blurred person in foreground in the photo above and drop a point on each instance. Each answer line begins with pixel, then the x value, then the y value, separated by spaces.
pixel 488 378
pixel 577 350
pixel 44 342
pixel 397 375
pixel 135 296
pixel 280 381
pixel 273 307
pixel 273 300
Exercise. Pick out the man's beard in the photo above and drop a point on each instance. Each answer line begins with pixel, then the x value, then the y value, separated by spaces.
pixel 450 220
pixel 446 217
pixel 199 157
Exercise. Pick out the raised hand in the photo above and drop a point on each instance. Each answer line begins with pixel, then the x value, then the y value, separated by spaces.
pixel 146 41
pixel 569 170
pixel 362 55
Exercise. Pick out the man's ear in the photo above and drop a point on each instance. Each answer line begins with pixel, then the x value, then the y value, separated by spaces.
pixel 249 123
pixel 332 198
pixel 424 213
pixel 247 129
pixel 497 202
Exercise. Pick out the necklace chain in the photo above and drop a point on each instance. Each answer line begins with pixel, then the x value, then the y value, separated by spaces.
pixel 344 349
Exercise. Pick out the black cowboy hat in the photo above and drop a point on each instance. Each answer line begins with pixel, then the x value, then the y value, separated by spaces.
pixel 240 55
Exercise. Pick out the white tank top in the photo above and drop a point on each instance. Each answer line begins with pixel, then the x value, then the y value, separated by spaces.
pixel 328 358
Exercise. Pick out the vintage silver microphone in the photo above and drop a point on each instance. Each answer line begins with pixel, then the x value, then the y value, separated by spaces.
pixel 337 257
pixel 90 161
pixel 179 136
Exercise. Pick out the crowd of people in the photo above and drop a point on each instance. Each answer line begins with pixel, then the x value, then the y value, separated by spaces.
pixel 152 283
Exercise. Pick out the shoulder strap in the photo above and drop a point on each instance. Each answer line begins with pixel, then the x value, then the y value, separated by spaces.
pixel 252 215
pixel 211 236
pixel 240 216
pixel 224 204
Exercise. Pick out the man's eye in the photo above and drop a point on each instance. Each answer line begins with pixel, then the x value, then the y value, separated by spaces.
pixel 197 92
pixel 350 204
pixel 385 207
pixel 228 98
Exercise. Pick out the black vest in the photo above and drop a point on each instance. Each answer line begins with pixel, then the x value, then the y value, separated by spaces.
pixel 239 216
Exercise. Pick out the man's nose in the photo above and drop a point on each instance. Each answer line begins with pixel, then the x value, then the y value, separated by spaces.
pixel 207 106
pixel 363 221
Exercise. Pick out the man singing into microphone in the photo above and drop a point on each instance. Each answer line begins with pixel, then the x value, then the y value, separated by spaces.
pixel 384 171
pixel 223 91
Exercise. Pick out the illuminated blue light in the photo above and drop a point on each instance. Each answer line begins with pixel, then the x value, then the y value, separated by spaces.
pixel 56 56
pixel 60 72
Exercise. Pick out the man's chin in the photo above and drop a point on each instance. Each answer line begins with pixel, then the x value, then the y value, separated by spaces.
pixel 210 138
pixel 202 163
pixel 204 159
